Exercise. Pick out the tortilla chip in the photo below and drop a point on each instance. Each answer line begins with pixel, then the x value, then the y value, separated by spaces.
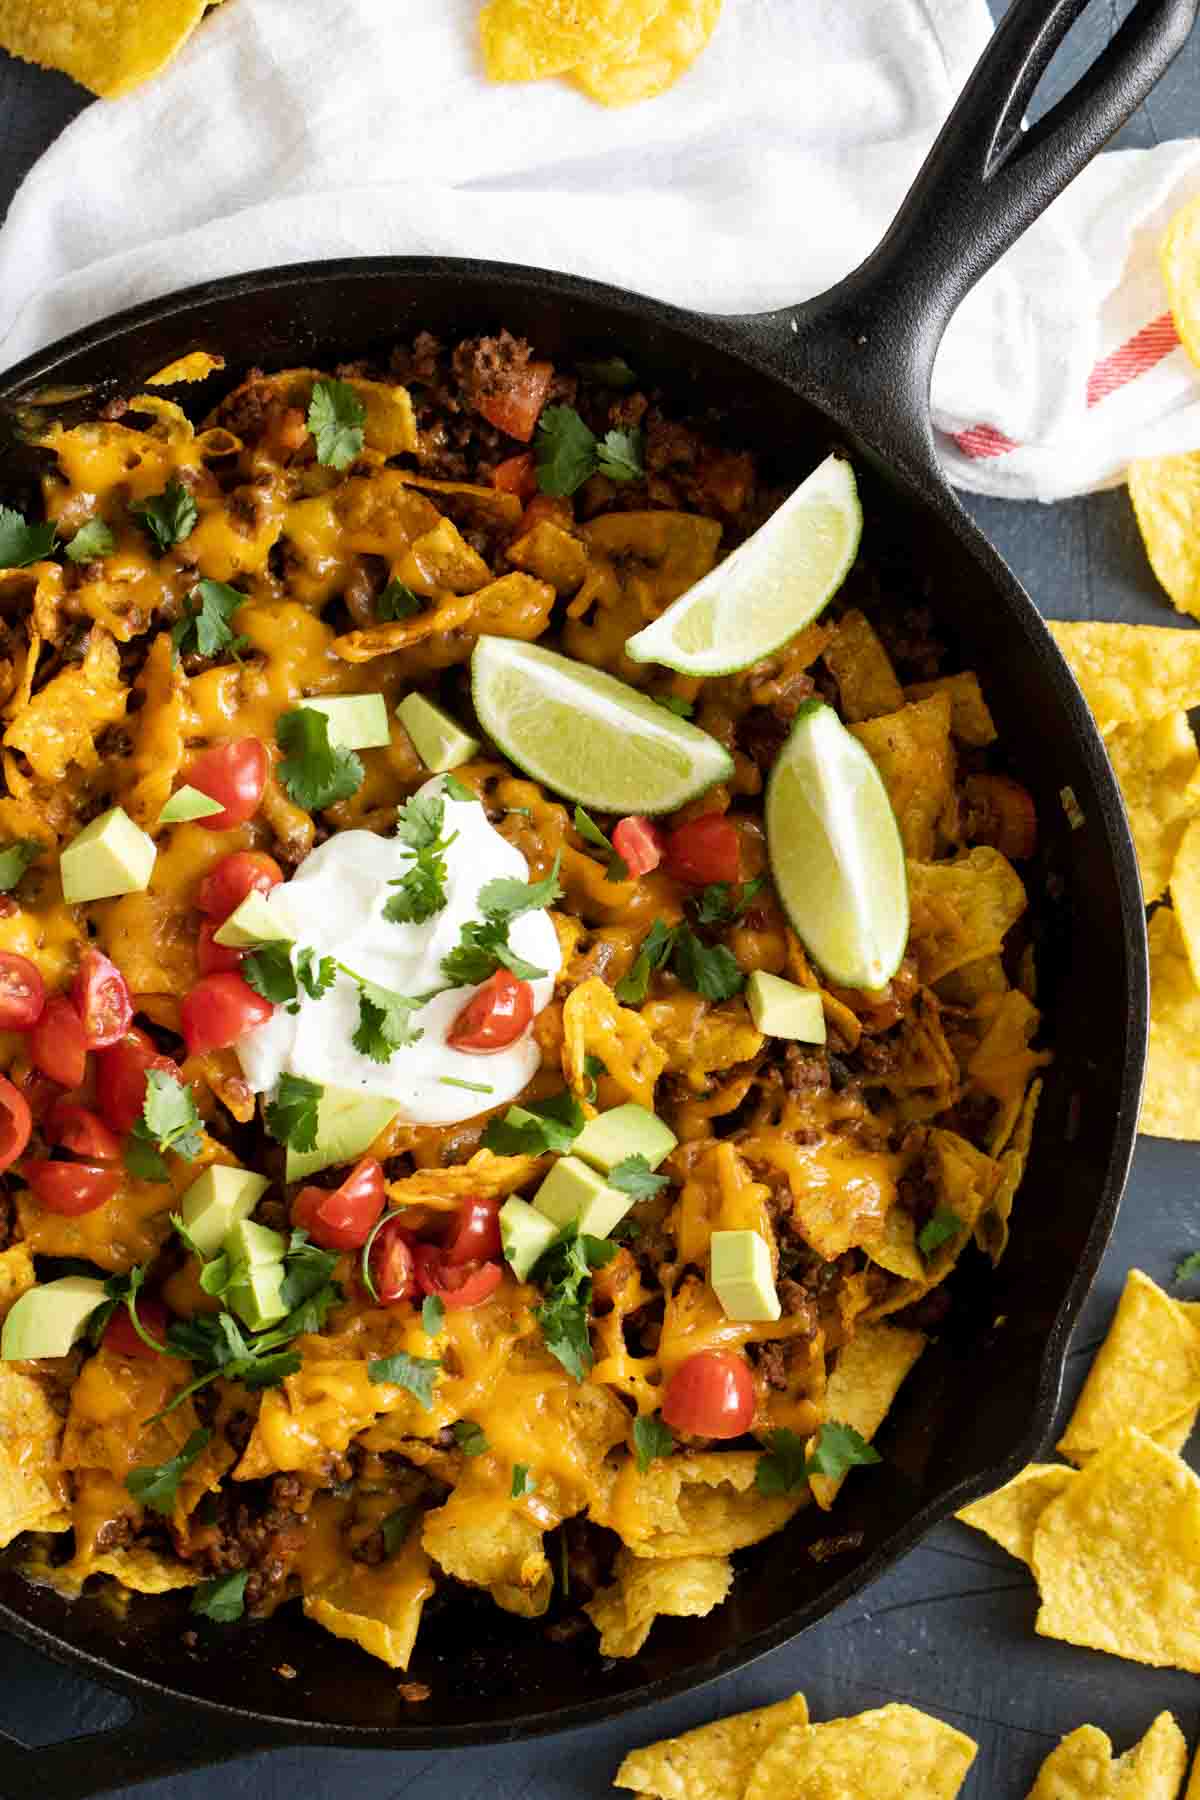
pixel 33 1495
pixel 1180 261
pixel 552 554
pixel 483 1538
pixel 965 1179
pixel 1010 1515
pixel 1185 894
pixel 911 749
pixel 894 1753
pixel 715 1761
pixel 1158 769
pixel 962 909
pixel 970 721
pixel 991 1227
pixel 683 1587
pixel 1082 1767
pixel 524 40
pixel 197 365
pixel 595 1025
pixel 665 50
pixel 144 1571
pixel 16 1275
pixel 1147 1369
pixel 863 670
pixel 1117 1557
pixel 704 1504
pixel 1003 1064
pixel 61 722
pixel 1131 673
pixel 376 1606
pixel 1171 1099
pixel 1165 491
pixel 109 46
pixel 866 1379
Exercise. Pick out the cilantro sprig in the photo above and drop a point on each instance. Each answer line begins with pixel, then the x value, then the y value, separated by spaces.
pixel 543 1125
pixel 634 1176
pixel 1189 1268
pixel 651 1439
pixel 91 542
pixel 336 417
pixel 22 544
pixel 723 901
pixel 568 451
pixel 397 601
pixel 156 1485
pixel 169 1122
pixel 785 1466
pixel 564 1273
pixel 938 1229
pixel 314 773
pixel 15 858
pixel 523 1482
pixel 708 969
pixel 223 1599
pixel 417 1375
pixel 421 890
pixel 616 868
pixel 291 1116
pixel 470 1438
pixel 205 626
pixel 483 945
pixel 168 517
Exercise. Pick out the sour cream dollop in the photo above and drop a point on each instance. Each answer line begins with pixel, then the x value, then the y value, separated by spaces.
pixel 334 905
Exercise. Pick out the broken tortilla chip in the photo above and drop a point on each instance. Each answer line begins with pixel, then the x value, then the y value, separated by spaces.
pixel 679 1587
pixel 970 721
pixel 663 52
pixel 865 1381
pixel 109 46
pixel 1010 1515
pixel 1171 1099
pixel 715 1761
pixel 1147 1369
pixel 33 1495
pixel 912 750
pixel 1165 491
pixel 1083 1767
pixel 1158 769
pixel 1131 673
pixel 1180 262
pixel 524 40
pixel 862 668
pixel 893 1753
pixel 1185 894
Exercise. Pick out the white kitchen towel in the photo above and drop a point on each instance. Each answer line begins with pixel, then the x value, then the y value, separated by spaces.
pixel 292 129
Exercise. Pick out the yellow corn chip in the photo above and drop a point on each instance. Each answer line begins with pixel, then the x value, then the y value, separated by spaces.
pixel 970 720
pixel 16 1275
pixel 715 1761
pixel 1165 491
pixel 1010 1515
pixel 664 51
pixel 1175 1435
pixel 1130 673
pixel 991 1228
pixel 865 1380
pixel 1171 1101
pixel 376 1607
pixel 33 1495
pixel 679 1587
pixel 911 749
pixel 1147 1369
pixel 862 669
pixel 1185 894
pixel 109 46
pixel 526 39
pixel 143 1571
pixel 961 910
pixel 1117 1557
pixel 1158 768
pixel 706 1504
pixel 894 1753
pixel 1082 1767
pixel 197 365
pixel 1180 258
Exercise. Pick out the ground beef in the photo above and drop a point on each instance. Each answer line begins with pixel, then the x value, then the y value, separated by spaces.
pixel 272 1212
pixel 115 1534
pixel 259 1528
pixel 804 1072
pixel 417 366
pixel 773 1364
pixel 920 1186
pixel 486 365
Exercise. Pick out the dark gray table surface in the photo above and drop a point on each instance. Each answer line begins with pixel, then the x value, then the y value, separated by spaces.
pixel 951 1627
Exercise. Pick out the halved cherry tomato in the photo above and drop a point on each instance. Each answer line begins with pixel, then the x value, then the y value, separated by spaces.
pixel 120 1334
pixel 457 1286
pixel 234 774
pixel 38 1091
pixel 495 1017
pixel 515 406
pixel 710 1395
pixel 227 884
pixel 219 1010
pixel 82 1132
pixel 1000 812
pixel 57 1045
pixel 341 1218
pixel 639 843
pixel 703 850
pixel 22 992
pixel 477 1234
pixel 390 1259
pixel 71 1188
pixel 16 1122
pixel 100 995
pixel 516 475
pixel 216 959
pixel 121 1073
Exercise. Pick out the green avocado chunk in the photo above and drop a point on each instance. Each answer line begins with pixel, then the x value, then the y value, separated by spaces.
pixel 252 922
pixel 49 1319
pixel 525 1234
pixel 624 1131
pixel 348 1122
pixel 110 856
pixel 254 1245
pixel 741 1277
pixel 216 1201
pixel 438 740
pixel 781 1009
pixel 356 721
pixel 258 1298
pixel 573 1192
pixel 188 803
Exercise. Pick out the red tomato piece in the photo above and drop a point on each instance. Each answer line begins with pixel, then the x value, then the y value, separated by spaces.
pixel 57 1045
pixel 390 1260
pixel 22 992
pixel 216 959
pixel 70 1188
pixel 710 1395
pixel 229 881
pixel 341 1218
pixel 516 403
pixel 219 1010
pixel 516 475
pixel 120 1334
pixel 38 1091
pixel 100 995
pixel 82 1132
pixel 457 1286
pixel 121 1073
pixel 639 843
pixel 477 1234
pixel 16 1122
pixel 704 850
pixel 495 1017
pixel 235 775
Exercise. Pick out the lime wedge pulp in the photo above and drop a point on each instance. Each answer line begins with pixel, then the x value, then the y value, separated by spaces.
pixel 836 856
pixel 769 588
pixel 587 735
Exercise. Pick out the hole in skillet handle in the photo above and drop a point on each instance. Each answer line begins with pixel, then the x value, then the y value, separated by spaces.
pixel 146 1744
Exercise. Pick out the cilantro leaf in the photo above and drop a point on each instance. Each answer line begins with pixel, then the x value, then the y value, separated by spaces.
pixel 314 774
pixel 205 625
pixel 522 1482
pixel 181 1231
pixel 616 869
pixel 223 1599
pixel 142 1160
pixel 651 1439
pixel 384 1019
pixel 613 372
pixel 421 892
pixel 938 1229
pixel 565 450
pixel 838 1448
pixel 416 1374
pixel 633 1175
pixel 397 602
pixel 218 1276
pixel 631 990
pixel 470 1438
pixel 336 417
pixel 456 789
pixel 267 1371
pixel 683 709
pixel 709 970
pixel 91 542
pixel 472 1087
pixel 292 1116
pixel 419 822
pixel 168 517
pixel 505 898
pixel 15 858
pixel 307 1271
pixel 316 978
pixel 432 1314
pixel 1189 1268
pixel 483 943
pixel 622 456
pixel 22 544
pixel 169 1121
pixel 564 1271
pixel 396 1527
pixel 156 1485
pixel 781 1469
pixel 717 904
pixel 268 970
pixel 551 1124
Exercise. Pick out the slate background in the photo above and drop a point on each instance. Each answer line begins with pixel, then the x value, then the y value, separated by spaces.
pixel 951 1627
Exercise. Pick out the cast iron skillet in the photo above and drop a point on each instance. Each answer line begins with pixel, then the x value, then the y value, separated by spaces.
pixel 851 366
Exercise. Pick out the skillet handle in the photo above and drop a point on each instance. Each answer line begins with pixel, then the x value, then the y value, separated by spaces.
pixel 983 183
pixel 149 1744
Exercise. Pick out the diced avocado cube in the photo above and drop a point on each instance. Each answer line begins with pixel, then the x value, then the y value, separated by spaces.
pixel 438 740
pixel 356 721
pixel 216 1201
pixel 188 803
pixel 525 1234
pixel 348 1122
pixel 253 922
pixel 625 1131
pixel 258 1298
pixel 740 1273
pixel 47 1320
pixel 254 1245
pixel 110 856
pixel 573 1192
pixel 781 1009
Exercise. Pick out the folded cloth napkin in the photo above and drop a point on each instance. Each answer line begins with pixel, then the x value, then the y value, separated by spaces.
pixel 292 129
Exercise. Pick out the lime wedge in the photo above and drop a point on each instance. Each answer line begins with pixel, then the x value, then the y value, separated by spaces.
pixel 587 735
pixel 769 588
pixel 836 856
